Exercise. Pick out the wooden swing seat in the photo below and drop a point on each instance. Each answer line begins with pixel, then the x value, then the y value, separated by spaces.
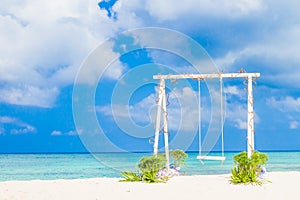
pixel 222 158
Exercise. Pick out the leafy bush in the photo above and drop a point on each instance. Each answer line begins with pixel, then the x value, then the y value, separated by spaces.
pixel 149 166
pixel 131 176
pixel 247 170
pixel 178 156
pixel 152 163
pixel 150 177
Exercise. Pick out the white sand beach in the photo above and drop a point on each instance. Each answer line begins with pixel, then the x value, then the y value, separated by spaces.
pixel 284 185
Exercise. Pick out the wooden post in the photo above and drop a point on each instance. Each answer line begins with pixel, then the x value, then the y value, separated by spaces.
pixel 250 124
pixel 166 132
pixel 161 88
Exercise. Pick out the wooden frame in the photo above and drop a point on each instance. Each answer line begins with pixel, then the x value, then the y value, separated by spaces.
pixel 162 108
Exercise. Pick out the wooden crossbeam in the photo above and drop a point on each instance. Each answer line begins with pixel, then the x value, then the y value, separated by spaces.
pixel 206 76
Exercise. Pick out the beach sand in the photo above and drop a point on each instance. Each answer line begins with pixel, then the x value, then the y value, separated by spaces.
pixel 284 185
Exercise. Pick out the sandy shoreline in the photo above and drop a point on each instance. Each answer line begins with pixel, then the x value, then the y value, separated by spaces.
pixel 284 185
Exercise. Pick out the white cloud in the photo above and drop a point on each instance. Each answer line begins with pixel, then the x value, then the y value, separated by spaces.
pixel 140 112
pixel 170 10
pixel 29 96
pixel 129 14
pixel 232 90
pixel 56 133
pixel 287 104
pixel 236 113
pixel 277 57
pixel 102 62
pixel 182 110
pixel 36 53
pixel 73 132
pixel 235 91
pixel 182 105
pixel 45 52
pixel 20 127
pixel 283 49
pixel 240 124
pixel 115 71
pixel 44 43
pixel 69 133
pixel 143 110
pixel 294 125
pixel 26 129
pixel 181 52
pixel 7 120
pixel 227 60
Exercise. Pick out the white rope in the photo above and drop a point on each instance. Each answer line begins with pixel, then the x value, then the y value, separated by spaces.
pixel 200 157
pixel 199 117
pixel 222 115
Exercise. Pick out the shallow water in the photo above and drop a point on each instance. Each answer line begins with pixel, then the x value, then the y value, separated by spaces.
pixel 72 166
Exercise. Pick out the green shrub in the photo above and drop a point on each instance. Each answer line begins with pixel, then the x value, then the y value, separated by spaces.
pixel 178 156
pixel 247 170
pixel 149 166
pixel 150 177
pixel 131 176
pixel 152 163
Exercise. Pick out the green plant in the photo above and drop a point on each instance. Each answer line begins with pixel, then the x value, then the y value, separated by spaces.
pixel 131 176
pixel 150 165
pixel 148 168
pixel 178 156
pixel 150 177
pixel 247 170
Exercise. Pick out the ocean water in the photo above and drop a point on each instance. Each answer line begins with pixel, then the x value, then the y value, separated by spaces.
pixel 73 166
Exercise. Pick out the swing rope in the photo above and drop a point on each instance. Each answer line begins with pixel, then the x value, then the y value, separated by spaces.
pixel 222 114
pixel 199 117
pixel 200 157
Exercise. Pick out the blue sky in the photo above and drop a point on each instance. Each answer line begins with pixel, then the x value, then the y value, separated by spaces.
pixel 45 44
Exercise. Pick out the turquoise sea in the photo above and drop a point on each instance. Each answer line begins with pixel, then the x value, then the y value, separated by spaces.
pixel 73 166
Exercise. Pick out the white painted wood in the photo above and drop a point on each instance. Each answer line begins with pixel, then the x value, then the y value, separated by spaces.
pixel 207 76
pixel 162 103
pixel 161 87
pixel 222 158
pixel 250 124
pixel 166 132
